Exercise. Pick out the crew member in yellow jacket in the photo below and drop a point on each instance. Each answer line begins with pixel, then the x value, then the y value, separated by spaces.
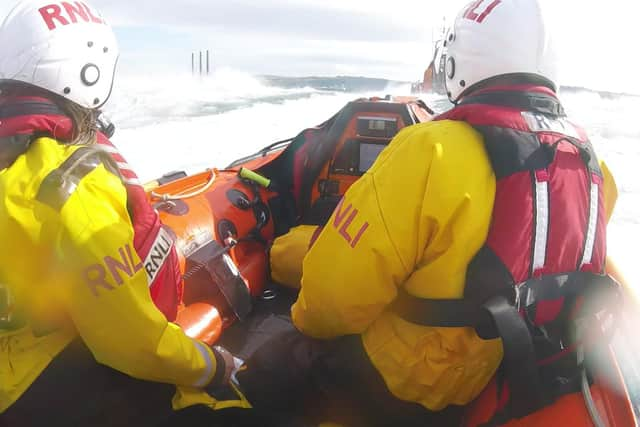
pixel 414 223
pixel 75 300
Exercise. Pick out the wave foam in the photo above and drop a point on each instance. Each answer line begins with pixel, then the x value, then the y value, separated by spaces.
pixel 142 100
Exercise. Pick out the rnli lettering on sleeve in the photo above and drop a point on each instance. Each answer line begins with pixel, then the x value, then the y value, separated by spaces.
pixel 160 251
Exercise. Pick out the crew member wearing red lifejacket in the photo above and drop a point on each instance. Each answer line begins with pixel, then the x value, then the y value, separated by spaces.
pixel 85 256
pixel 470 243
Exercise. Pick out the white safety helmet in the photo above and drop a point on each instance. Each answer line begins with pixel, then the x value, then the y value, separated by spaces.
pixel 65 47
pixel 492 38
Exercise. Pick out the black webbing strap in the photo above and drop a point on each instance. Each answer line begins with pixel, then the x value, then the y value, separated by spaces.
pixel 498 317
pixel 519 360
pixel 525 101
pixel 452 313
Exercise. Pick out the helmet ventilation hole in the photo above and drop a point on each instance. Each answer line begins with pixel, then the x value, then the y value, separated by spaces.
pixel 67 91
pixel 105 50
pixel 90 44
pixel 96 101
pixel 463 83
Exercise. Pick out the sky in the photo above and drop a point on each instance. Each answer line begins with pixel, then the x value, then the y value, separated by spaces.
pixel 389 39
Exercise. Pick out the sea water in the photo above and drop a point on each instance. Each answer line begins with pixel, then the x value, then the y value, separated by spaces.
pixel 181 122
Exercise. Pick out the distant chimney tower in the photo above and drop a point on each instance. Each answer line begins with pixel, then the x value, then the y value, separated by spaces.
pixel 202 63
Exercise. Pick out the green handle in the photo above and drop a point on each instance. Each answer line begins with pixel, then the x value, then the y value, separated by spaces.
pixel 255 177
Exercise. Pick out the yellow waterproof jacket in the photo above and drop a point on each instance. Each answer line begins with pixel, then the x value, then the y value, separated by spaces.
pixel 68 269
pixel 288 252
pixel 416 219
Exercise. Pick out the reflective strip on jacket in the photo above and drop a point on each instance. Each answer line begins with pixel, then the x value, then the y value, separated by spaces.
pixel 71 270
pixel 416 219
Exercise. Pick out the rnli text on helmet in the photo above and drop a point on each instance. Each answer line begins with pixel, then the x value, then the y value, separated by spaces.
pixel 473 13
pixel 66 13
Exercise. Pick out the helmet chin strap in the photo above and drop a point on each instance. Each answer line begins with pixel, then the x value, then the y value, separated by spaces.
pixel 453 101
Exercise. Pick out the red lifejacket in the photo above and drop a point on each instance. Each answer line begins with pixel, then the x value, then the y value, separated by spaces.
pixel 548 215
pixel 546 246
pixel 27 118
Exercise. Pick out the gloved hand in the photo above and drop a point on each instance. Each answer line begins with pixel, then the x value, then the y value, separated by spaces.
pixel 226 368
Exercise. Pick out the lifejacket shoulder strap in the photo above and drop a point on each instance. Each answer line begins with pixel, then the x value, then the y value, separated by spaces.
pixel 57 187
pixel 513 150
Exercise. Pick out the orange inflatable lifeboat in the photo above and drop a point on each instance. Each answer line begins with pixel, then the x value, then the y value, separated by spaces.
pixel 222 225
pixel 224 220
